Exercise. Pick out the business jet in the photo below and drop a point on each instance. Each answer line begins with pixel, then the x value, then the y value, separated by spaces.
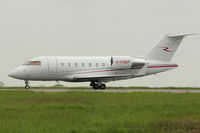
pixel 100 70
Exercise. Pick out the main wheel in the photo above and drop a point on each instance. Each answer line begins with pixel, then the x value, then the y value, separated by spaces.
pixel 95 86
pixel 92 83
pixel 103 87
pixel 27 87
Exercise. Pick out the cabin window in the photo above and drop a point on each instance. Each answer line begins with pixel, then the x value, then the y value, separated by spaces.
pixel 97 64
pixel 103 64
pixel 90 64
pixel 33 63
pixel 76 64
pixel 69 64
pixel 83 64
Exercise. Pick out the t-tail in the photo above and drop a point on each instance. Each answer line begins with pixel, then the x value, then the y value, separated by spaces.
pixel 165 49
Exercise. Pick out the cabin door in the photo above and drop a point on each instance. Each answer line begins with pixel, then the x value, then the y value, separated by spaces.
pixel 52 65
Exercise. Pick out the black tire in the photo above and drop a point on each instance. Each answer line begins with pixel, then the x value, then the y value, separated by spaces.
pixel 27 87
pixel 103 87
pixel 95 86
pixel 92 83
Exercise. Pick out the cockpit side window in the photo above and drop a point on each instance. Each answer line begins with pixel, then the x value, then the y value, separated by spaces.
pixel 27 63
pixel 36 63
pixel 33 63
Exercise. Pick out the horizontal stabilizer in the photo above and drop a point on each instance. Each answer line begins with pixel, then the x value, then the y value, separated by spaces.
pixel 181 35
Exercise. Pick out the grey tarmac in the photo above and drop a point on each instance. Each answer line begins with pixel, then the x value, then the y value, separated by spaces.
pixel 111 90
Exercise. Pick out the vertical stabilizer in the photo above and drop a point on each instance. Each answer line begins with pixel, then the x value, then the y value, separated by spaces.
pixel 166 47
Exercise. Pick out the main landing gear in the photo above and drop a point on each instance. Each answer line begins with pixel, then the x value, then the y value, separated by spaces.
pixel 98 85
pixel 27 85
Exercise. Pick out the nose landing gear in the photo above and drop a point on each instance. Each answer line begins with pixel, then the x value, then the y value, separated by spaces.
pixel 98 85
pixel 27 85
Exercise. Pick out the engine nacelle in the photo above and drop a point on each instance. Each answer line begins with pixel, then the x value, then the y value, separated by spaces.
pixel 121 62
pixel 127 62
pixel 138 63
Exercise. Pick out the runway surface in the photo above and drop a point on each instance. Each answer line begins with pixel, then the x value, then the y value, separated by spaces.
pixel 112 90
pixel 117 90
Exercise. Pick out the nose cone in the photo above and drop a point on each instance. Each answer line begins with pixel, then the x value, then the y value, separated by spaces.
pixel 19 73
pixel 12 74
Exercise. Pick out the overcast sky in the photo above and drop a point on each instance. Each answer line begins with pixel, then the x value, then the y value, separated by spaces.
pixel 32 28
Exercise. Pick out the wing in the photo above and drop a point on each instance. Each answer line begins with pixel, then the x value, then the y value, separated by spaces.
pixel 103 78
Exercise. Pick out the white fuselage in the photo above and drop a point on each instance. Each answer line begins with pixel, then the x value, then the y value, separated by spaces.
pixel 101 69
pixel 84 69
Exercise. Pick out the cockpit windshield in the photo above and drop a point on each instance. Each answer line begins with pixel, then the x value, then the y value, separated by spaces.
pixel 32 63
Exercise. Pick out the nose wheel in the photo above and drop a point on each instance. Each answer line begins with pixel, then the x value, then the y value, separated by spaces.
pixel 98 85
pixel 27 86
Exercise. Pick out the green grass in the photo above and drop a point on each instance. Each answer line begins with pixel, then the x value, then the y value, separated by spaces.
pixel 97 112
pixel 111 87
